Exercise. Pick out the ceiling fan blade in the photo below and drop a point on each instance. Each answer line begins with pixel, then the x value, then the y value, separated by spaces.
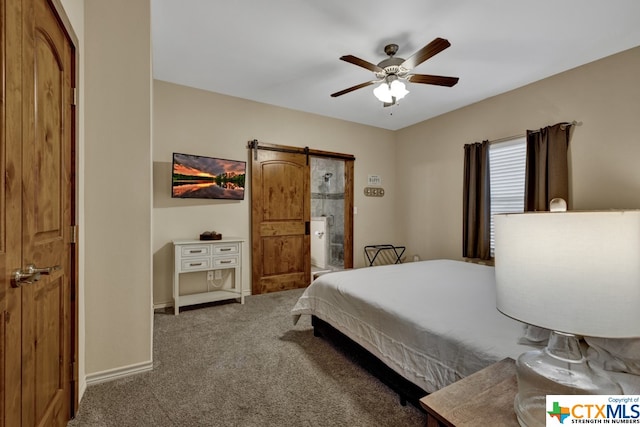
pixel 352 88
pixel 432 80
pixel 361 63
pixel 433 48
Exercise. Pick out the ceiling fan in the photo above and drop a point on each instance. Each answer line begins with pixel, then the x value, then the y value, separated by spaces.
pixel 392 70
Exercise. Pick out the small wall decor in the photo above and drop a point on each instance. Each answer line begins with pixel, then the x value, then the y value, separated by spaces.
pixel 374 180
pixel 373 191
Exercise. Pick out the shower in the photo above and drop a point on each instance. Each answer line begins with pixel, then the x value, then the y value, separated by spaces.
pixel 327 212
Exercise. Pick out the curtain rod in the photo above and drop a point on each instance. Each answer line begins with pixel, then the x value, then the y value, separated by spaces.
pixel 563 126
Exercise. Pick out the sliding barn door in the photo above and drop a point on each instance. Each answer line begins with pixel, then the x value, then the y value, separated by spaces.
pixel 280 209
pixel 36 216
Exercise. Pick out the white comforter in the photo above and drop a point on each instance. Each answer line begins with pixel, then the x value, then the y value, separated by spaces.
pixel 433 322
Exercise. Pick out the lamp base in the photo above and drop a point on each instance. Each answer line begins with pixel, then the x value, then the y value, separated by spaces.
pixel 558 369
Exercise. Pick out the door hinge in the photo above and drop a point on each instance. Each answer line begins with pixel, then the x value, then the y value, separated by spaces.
pixel 72 371
pixel 307 228
pixel 74 234
pixel 74 96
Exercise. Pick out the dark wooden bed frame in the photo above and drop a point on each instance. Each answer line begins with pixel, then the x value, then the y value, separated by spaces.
pixel 406 390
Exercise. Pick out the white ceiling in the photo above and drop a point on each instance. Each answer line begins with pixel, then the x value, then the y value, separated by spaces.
pixel 285 52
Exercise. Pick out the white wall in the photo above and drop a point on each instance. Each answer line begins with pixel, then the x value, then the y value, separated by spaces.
pixel 117 187
pixel 194 121
pixel 604 150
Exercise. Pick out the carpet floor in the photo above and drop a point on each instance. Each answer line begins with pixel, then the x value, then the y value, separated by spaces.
pixel 244 365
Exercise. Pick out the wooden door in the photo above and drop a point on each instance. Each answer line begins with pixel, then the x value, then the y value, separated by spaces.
pixel 37 216
pixel 280 210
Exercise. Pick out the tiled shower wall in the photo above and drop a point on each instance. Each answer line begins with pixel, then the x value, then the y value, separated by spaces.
pixel 327 199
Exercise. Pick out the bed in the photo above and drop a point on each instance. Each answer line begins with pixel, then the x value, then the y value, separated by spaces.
pixel 431 322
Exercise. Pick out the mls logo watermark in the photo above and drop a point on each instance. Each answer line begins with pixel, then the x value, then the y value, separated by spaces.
pixel 562 410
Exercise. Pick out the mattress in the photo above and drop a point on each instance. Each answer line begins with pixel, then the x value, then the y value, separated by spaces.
pixel 433 322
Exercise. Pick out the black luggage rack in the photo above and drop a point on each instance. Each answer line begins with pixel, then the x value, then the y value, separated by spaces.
pixel 372 252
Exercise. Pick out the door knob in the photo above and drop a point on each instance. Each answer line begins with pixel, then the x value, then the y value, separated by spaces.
pixel 30 274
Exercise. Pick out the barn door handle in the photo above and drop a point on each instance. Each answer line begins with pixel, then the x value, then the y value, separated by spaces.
pixel 30 274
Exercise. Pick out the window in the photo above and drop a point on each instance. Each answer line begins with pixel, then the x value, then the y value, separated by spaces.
pixel 506 174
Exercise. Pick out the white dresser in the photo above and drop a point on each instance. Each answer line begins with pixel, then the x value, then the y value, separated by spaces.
pixel 207 255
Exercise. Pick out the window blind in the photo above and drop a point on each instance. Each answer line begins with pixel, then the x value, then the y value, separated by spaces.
pixel 506 174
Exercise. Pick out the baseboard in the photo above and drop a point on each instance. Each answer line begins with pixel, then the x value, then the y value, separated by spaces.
pixel 162 305
pixel 82 387
pixel 114 374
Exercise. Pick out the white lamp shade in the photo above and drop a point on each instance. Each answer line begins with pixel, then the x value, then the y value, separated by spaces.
pixel 383 93
pixel 574 272
pixel 398 89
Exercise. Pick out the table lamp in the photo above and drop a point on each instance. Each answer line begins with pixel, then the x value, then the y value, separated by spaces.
pixel 576 274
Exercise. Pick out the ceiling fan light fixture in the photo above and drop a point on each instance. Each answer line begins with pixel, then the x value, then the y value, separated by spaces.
pixel 389 71
pixel 390 89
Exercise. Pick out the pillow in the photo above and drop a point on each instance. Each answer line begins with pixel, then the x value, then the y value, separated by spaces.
pixel 534 335
pixel 615 354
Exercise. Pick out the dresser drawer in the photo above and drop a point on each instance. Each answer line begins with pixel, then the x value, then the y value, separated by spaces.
pixel 196 264
pixel 196 251
pixel 226 249
pixel 224 262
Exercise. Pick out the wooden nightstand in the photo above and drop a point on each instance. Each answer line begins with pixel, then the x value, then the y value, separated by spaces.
pixel 482 399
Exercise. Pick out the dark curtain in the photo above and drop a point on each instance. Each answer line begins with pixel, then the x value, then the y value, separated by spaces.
pixel 547 173
pixel 476 203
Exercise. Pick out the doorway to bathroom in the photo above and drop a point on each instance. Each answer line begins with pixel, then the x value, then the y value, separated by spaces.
pixel 328 214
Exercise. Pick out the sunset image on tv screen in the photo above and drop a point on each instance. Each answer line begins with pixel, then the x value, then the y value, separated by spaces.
pixel 201 177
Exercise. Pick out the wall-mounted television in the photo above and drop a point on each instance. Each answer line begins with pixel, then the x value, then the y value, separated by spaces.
pixel 200 177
